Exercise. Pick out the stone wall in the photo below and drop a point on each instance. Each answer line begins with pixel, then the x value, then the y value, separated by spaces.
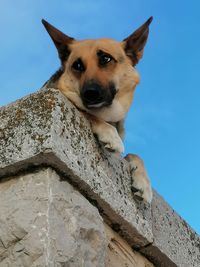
pixel 45 221
pixel 65 201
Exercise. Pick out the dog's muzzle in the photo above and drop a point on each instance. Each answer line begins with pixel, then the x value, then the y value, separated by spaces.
pixel 94 95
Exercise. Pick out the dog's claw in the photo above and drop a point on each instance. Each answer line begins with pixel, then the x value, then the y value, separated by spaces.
pixel 134 190
pixel 107 146
pixel 138 197
pixel 133 169
pixel 138 193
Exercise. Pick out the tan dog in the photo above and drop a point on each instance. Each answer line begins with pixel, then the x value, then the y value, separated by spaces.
pixel 99 77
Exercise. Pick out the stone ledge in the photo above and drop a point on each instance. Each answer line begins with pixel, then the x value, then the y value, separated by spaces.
pixel 46 129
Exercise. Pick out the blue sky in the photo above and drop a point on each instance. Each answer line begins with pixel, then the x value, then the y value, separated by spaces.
pixel 162 125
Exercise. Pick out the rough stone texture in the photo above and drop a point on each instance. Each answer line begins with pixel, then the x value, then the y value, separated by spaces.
pixel 46 129
pixel 120 254
pixel 46 222
pixel 175 243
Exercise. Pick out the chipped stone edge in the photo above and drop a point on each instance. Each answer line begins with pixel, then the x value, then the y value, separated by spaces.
pixel 21 151
pixel 111 217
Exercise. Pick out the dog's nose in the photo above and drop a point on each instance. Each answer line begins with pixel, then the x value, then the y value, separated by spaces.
pixel 92 94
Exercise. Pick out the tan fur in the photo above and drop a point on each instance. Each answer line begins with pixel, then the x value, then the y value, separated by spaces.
pixel 122 74
pixel 107 122
pixel 140 179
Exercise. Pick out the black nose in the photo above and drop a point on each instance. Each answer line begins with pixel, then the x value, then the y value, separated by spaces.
pixel 92 93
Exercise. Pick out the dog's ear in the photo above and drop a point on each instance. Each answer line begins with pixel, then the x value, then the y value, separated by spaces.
pixel 60 40
pixel 134 44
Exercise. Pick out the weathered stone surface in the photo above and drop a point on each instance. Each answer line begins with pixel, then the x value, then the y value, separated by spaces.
pixel 120 254
pixel 45 128
pixel 175 243
pixel 45 222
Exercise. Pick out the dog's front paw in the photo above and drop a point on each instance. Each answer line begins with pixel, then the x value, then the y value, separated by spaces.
pixel 111 140
pixel 141 186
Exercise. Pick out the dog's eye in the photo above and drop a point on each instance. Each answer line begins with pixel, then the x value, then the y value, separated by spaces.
pixel 104 58
pixel 78 65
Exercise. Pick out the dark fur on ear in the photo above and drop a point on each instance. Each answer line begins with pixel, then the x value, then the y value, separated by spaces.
pixel 60 40
pixel 134 44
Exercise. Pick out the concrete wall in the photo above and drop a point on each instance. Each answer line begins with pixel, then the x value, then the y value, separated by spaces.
pixel 65 201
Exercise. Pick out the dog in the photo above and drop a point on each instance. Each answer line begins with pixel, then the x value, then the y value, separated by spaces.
pixel 99 78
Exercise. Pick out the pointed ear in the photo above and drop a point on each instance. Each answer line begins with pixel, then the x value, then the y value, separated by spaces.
pixel 60 40
pixel 134 44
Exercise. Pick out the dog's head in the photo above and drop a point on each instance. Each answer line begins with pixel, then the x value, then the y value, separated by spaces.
pixel 99 75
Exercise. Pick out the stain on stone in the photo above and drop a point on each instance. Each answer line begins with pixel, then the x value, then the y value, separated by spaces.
pixel 116 227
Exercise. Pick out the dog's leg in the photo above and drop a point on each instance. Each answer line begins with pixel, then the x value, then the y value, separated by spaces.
pixel 141 186
pixel 107 134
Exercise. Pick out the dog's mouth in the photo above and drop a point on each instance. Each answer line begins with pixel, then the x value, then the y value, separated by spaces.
pixel 99 105
pixel 94 96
